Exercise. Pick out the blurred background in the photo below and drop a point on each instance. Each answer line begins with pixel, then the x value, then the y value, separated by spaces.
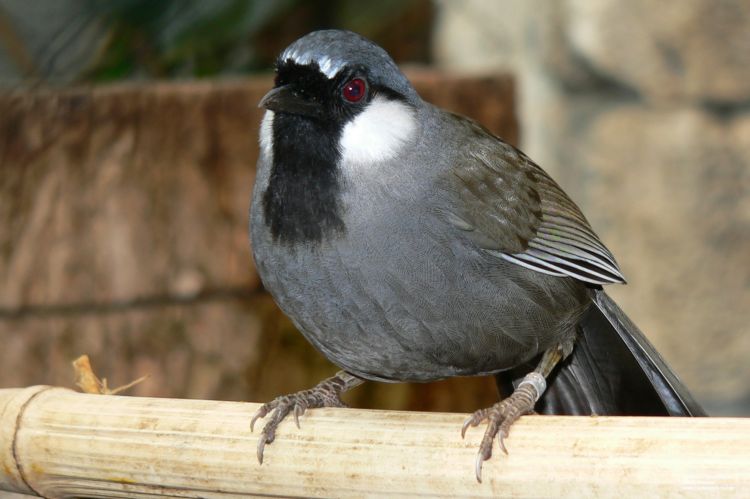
pixel 128 141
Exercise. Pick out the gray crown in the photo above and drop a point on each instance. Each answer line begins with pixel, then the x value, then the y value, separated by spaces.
pixel 332 50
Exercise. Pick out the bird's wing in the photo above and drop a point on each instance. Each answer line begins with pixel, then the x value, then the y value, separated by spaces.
pixel 510 207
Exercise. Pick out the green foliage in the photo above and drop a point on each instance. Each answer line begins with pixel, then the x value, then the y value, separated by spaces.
pixel 195 38
pixel 173 38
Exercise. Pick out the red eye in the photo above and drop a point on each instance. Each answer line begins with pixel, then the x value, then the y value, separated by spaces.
pixel 354 90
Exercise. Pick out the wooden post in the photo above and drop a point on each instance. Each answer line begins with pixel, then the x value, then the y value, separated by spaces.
pixel 58 443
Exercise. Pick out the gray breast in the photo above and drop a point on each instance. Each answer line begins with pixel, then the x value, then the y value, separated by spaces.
pixel 403 295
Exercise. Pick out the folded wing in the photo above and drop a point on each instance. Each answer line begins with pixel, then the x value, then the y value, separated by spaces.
pixel 511 208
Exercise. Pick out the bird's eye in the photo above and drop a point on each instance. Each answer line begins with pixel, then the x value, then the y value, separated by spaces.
pixel 354 90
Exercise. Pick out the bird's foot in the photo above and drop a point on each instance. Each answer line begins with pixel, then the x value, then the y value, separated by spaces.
pixel 502 415
pixel 327 393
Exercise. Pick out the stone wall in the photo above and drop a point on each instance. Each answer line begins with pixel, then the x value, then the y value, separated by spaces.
pixel 641 110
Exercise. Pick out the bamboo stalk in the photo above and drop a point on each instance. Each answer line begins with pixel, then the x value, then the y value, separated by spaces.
pixel 58 443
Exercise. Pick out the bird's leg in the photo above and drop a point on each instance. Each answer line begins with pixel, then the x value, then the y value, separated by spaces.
pixel 327 393
pixel 502 415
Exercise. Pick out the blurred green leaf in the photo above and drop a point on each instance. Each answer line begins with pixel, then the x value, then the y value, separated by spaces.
pixel 194 38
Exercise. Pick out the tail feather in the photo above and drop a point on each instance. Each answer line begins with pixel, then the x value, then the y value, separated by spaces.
pixel 614 370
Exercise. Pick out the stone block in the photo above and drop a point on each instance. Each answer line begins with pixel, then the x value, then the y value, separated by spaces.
pixel 691 50
pixel 669 189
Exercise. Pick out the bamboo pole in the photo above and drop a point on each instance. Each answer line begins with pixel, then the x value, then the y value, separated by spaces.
pixel 58 443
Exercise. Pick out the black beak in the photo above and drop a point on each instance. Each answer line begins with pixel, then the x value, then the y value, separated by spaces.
pixel 285 100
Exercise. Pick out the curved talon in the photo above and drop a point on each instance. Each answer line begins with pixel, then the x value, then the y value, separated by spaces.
pixel 261 446
pixel 468 422
pixel 256 416
pixel 298 411
pixel 501 441
pixel 478 466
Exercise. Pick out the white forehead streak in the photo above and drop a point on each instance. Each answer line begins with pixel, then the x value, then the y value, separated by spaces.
pixel 378 133
pixel 266 134
pixel 329 67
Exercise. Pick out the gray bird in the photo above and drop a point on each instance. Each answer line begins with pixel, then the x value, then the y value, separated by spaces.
pixel 409 244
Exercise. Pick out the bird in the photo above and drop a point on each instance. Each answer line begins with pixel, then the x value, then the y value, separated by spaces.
pixel 409 244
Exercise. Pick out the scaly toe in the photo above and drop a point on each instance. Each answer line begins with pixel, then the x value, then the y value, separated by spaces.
pixel 325 394
pixel 474 420
pixel 264 411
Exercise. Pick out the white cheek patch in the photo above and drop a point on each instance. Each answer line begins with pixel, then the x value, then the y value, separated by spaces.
pixel 378 133
pixel 266 134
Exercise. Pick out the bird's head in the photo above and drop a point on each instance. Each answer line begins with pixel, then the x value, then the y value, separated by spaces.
pixel 341 85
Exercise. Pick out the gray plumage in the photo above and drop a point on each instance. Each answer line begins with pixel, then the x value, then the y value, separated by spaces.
pixel 417 287
pixel 410 244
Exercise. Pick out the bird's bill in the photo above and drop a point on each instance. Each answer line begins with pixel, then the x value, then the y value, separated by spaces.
pixel 285 100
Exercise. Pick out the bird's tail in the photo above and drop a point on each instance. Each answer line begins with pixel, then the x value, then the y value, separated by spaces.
pixel 615 370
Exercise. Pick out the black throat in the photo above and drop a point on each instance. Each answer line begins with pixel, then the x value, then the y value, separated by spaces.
pixel 302 201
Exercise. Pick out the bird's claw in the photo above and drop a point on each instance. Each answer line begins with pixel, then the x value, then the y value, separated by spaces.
pixel 478 466
pixel 259 449
pixel 501 441
pixel 278 409
pixel 325 394
pixel 261 413
pixel 499 419
pixel 299 410
pixel 467 422
pixel 473 420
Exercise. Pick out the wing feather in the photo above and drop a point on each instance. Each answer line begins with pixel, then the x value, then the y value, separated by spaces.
pixel 513 209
